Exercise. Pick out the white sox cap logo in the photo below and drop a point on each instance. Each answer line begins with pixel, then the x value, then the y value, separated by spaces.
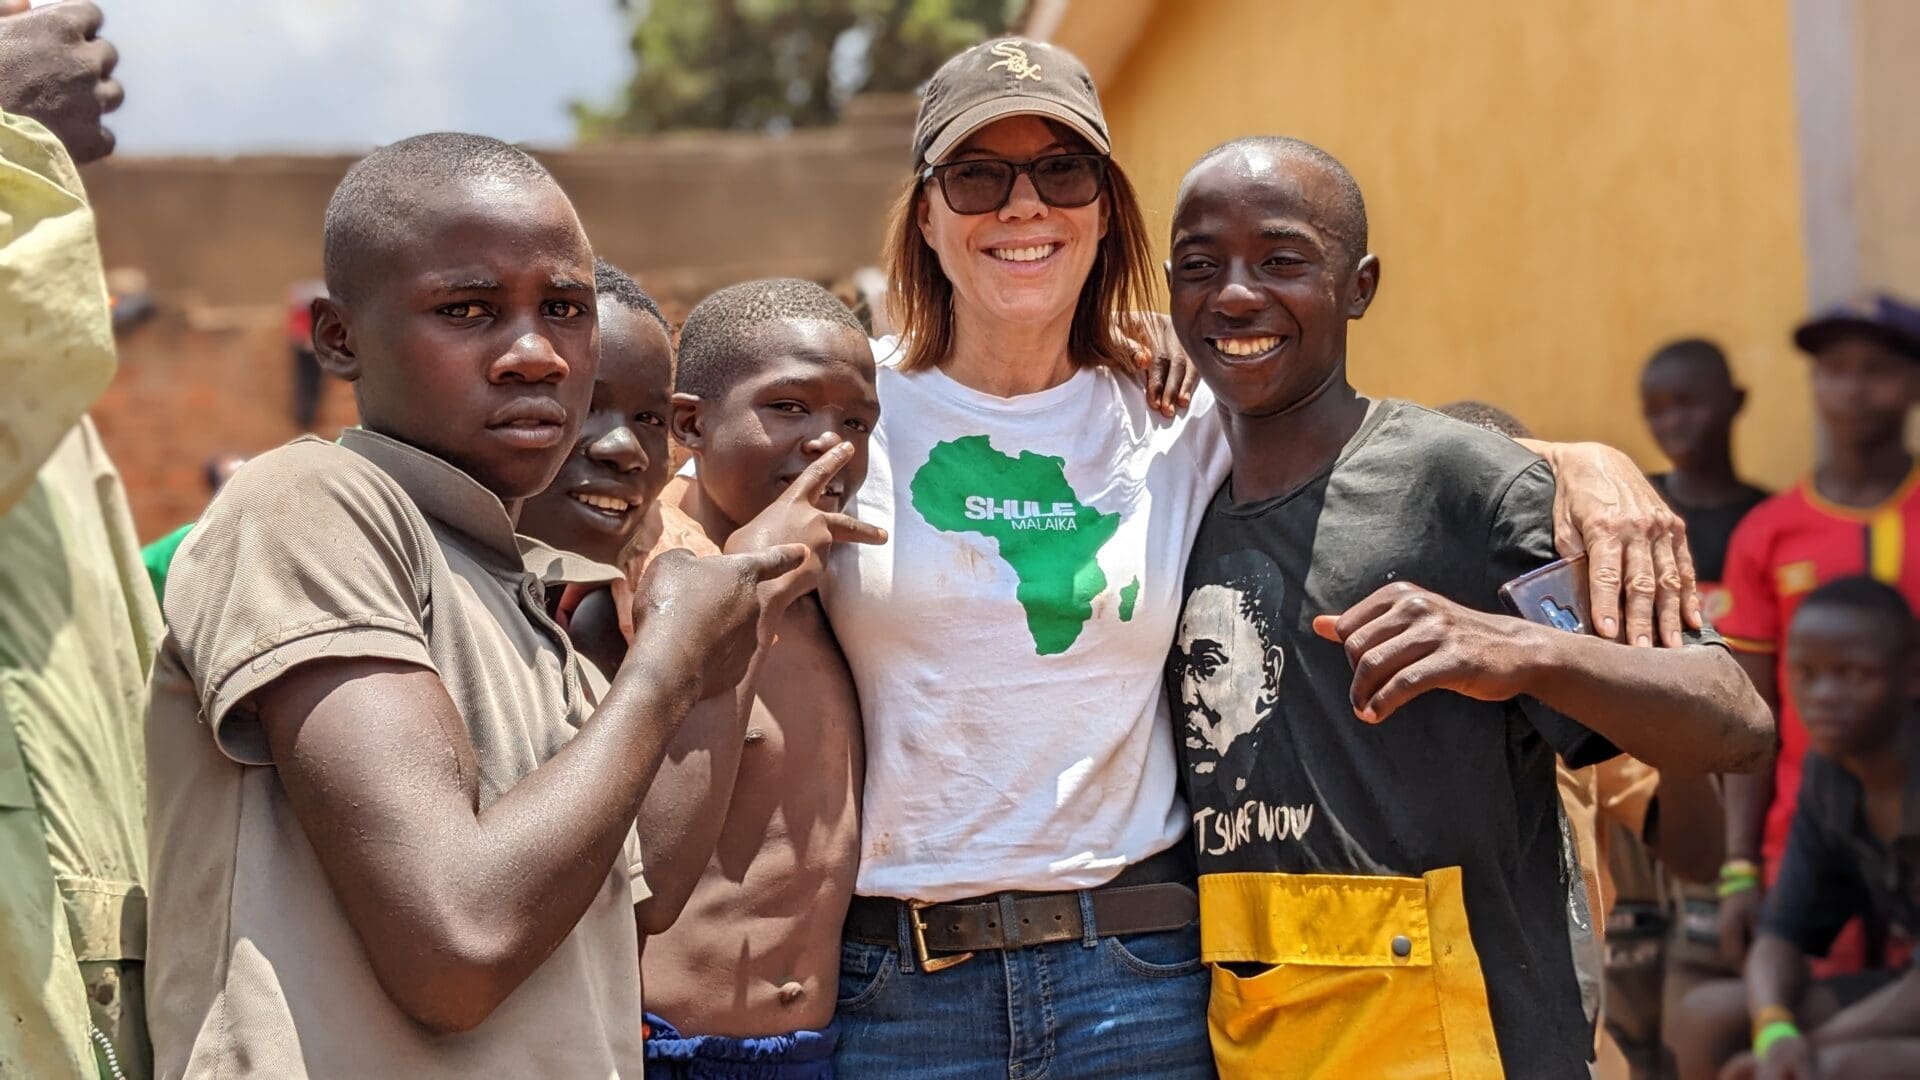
pixel 1014 59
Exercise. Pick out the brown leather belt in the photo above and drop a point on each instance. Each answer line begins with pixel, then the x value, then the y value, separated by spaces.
pixel 1151 896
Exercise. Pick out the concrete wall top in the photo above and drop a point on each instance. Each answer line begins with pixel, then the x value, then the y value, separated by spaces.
pixel 685 213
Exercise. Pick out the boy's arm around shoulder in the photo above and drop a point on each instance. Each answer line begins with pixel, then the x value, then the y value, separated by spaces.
pixel 454 905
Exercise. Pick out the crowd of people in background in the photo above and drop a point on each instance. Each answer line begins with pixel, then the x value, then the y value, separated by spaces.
pixel 1013 682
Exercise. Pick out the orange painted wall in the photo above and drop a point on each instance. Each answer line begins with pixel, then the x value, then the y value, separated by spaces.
pixel 1556 187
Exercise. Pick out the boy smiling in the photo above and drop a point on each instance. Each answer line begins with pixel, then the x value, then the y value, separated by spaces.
pixel 1352 862
pixel 607 486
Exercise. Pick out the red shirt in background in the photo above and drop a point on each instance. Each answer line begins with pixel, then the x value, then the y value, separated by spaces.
pixel 1783 549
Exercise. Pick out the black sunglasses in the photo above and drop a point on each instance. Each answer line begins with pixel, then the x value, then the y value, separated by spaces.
pixel 983 185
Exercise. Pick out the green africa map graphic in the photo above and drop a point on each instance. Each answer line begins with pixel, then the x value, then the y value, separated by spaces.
pixel 1042 529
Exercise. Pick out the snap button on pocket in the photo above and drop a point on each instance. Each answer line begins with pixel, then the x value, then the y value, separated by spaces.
pixel 1402 946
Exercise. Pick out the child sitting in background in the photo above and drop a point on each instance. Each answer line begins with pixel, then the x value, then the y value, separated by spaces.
pixel 1853 851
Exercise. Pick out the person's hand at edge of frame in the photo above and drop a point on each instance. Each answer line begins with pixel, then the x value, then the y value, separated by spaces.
pixel 55 68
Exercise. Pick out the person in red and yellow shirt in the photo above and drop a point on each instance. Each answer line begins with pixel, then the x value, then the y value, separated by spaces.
pixel 1858 513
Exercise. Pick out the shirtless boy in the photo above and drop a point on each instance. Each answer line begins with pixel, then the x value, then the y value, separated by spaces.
pixel 1368 750
pixel 775 382
pixel 392 815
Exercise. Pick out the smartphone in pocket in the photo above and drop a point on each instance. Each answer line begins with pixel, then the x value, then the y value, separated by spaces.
pixel 1554 595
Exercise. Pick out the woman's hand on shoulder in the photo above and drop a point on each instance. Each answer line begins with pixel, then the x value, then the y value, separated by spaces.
pixel 1636 546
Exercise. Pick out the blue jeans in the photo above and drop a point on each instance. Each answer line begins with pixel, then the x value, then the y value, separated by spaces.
pixel 1131 1006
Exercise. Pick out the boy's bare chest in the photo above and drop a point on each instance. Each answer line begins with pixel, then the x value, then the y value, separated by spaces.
pixel 798 769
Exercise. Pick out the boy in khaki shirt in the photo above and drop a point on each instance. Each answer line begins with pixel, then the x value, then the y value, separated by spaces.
pixel 392 813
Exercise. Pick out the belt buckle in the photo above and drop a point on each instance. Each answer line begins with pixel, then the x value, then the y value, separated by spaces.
pixel 927 963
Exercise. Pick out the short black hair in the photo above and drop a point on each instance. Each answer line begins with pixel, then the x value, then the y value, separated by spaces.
pixel 717 338
pixel 1867 596
pixel 1694 352
pixel 618 286
pixel 381 189
pixel 1482 415
pixel 1349 224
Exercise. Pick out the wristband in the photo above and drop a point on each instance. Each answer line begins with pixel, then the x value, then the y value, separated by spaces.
pixel 1733 886
pixel 1771 1014
pixel 1739 868
pixel 1777 1031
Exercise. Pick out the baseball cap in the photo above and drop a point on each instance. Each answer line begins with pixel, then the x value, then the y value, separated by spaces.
pixel 1001 78
pixel 1892 322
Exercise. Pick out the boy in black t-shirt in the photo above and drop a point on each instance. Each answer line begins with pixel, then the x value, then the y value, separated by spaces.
pixel 1668 924
pixel 1690 402
pixel 1853 851
pixel 1385 886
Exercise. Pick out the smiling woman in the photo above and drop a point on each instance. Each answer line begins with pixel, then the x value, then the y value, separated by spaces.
pixel 1009 638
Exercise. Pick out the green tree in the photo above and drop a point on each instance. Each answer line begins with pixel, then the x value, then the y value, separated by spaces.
pixel 758 65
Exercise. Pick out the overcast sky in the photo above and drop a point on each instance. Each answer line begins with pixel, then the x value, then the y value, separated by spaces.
pixel 235 76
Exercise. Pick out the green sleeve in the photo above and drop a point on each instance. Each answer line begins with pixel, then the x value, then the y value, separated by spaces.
pixel 159 555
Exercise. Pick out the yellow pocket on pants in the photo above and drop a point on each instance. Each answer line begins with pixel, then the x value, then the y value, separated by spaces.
pixel 1372 976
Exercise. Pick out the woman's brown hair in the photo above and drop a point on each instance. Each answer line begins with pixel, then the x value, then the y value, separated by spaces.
pixel 1118 289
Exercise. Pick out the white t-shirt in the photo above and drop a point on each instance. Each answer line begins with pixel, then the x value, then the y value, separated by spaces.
pixel 1008 640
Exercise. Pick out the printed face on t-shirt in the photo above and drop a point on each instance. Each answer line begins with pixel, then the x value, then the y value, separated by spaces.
pixel 1229 674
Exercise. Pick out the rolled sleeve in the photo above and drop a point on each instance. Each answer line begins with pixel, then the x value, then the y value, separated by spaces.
pixel 1750 615
pixel 1519 540
pixel 310 553
pixel 236 730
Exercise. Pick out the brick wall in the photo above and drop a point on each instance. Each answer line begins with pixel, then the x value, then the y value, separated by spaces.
pixel 222 240
pixel 186 392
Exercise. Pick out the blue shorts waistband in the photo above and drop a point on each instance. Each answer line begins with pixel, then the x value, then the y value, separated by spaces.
pixel 799 1055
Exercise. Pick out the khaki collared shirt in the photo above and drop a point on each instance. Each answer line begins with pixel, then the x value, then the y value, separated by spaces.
pixel 369 548
pixel 78 627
